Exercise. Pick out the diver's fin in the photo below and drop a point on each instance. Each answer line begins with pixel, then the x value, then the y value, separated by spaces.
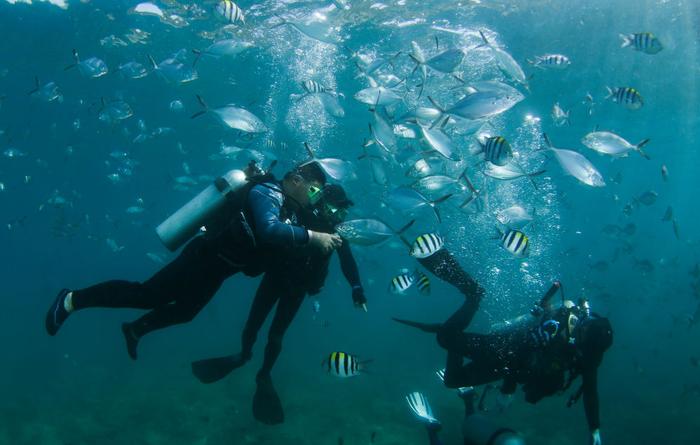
pixel 211 370
pixel 267 407
pixel 425 327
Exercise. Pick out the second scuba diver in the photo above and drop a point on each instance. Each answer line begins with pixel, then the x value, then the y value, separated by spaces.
pixel 537 352
pixel 298 273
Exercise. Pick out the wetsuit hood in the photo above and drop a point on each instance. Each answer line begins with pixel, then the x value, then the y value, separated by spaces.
pixel 594 336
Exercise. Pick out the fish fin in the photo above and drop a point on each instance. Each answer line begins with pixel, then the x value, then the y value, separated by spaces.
pixel 431 328
pixel 436 105
pixel 437 42
pixel 153 62
pixel 196 59
pixel 36 87
pixel 626 41
pixel 442 199
pixel 639 146
pixel 483 37
pixel 309 150
pixel 610 92
pixel 547 141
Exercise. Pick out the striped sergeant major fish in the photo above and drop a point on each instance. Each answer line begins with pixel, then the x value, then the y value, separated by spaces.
pixel 515 242
pixel 230 11
pixel 402 282
pixel 425 245
pixel 496 150
pixel 343 365
pixel 645 42
pixel 423 284
pixel 627 96
pixel 313 87
pixel 555 61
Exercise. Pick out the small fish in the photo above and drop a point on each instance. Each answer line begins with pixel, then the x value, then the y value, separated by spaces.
pixel 12 153
pixel 47 93
pixel 559 116
pixel 589 103
pixel 156 258
pixel 576 165
pixel 496 150
pixel 425 245
pixel 627 96
pixel 342 364
pixel 555 61
pixel 668 216
pixel 611 144
pixel 91 67
pixel 230 11
pixel 515 242
pixel 514 217
pixel 313 87
pixel 402 282
pixel 423 284
pixel 645 42
pixel 422 168
pixel 113 245
pixel 664 173
pixel 647 198
pixel 316 308
pixel 132 70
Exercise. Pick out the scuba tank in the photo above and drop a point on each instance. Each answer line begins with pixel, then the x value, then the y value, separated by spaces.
pixel 186 222
pixel 532 316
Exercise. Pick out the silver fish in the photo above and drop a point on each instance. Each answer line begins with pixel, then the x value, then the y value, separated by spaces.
pixel 506 62
pixel 234 117
pixel 224 48
pixel 91 67
pixel 577 165
pixel 132 70
pixel 508 172
pixel 115 111
pixel 514 217
pixel 377 96
pixel 173 70
pixel 47 93
pixel 559 116
pixel 440 142
pixel 408 200
pixel 554 61
pixel 611 144
pixel 367 232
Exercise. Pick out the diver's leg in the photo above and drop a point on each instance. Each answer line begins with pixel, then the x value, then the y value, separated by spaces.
pixel 266 296
pixel 287 309
pixel 211 370
pixel 444 266
pixel 267 406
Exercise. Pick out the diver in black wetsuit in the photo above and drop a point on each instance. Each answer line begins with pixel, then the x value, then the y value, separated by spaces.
pixel 259 223
pixel 537 353
pixel 298 273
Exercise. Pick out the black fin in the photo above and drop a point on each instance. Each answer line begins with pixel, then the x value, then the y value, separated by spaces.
pixel 431 328
pixel 211 370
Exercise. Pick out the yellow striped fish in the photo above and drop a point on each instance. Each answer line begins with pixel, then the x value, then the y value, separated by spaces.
pixel 230 11
pixel 423 284
pixel 402 282
pixel 343 365
pixel 426 245
pixel 515 242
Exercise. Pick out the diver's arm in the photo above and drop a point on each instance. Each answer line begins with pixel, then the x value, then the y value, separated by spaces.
pixel 352 274
pixel 590 401
pixel 265 203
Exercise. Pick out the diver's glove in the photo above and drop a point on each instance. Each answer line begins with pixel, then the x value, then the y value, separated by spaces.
pixel 420 407
pixel 358 296
pixel 595 437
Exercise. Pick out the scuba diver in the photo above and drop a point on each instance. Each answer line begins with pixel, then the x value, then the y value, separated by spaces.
pixel 538 350
pixel 247 219
pixel 298 273
pixel 476 428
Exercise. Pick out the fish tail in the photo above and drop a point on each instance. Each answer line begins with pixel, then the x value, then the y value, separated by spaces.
pixel 639 146
pixel 626 40
pixel 153 62
pixel 405 227
pixel 610 91
pixel 36 87
pixel 483 37
pixel 196 59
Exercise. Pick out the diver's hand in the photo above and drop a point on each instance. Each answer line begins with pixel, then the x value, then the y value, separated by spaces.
pixel 358 297
pixel 325 242
pixel 595 437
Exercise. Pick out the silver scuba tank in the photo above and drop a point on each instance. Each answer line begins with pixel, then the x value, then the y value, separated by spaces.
pixel 186 222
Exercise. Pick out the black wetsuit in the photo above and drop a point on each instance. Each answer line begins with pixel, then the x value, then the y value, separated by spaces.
pixel 254 232
pixel 543 364
pixel 297 274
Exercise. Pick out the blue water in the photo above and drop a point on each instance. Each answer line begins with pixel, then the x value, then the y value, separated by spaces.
pixel 81 388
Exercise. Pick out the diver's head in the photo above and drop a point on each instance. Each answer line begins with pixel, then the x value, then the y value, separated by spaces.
pixel 333 204
pixel 304 183
pixel 594 336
